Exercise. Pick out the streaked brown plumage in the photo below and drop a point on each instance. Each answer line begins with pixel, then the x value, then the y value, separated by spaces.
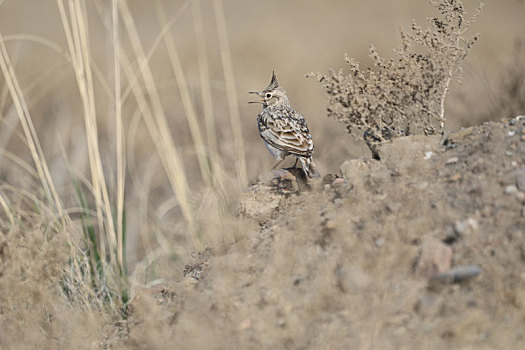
pixel 283 130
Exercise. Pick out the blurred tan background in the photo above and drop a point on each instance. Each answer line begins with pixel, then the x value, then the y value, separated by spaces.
pixel 290 37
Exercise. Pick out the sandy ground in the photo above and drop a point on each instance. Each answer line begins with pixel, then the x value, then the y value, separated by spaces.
pixel 355 261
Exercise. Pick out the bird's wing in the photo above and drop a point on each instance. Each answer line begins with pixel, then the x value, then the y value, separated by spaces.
pixel 287 132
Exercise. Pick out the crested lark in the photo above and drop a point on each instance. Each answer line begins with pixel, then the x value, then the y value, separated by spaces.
pixel 283 130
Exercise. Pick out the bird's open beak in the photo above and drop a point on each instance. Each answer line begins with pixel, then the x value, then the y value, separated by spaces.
pixel 258 94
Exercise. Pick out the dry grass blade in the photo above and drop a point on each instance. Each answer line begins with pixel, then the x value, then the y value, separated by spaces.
pixel 235 120
pixel 189 109
pixel 76 32
pixel 29 130
pixel 19 161
pixel 169 161
pixel 204 76
pixel 33 89
pixel 7 210
pixel 156 121
pixel 58 49
pixel 121 151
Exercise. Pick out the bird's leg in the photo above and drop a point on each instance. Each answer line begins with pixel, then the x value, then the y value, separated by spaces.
pixel 278 163
pixel 295 164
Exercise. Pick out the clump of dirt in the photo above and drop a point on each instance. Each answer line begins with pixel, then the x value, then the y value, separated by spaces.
pixel 423 249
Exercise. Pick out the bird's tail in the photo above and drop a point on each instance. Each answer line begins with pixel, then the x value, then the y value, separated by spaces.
pixel 309 168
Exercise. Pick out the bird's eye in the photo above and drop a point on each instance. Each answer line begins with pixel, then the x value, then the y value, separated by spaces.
pixel 268 95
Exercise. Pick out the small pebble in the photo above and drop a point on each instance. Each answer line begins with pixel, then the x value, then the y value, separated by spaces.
pixel 452 160
pixel 379 242
pixel 455 177
pixel 246 324
pixel 330 225
pixel 338 181
pixel 393 207
pixel 473 223
pixel 465 227
pixel 434 257
pixel 422 185
pixel 428 155
pixel 511 189
pixel 456 275
pixel 520 181
pixel 352 279
pixel 428 305
pixel 511 133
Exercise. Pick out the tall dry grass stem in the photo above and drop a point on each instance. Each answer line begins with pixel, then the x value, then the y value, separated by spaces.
pixel 77 37
pixel 231 90
pixel 7 210
pixel 29 130
pixel 204 80
pixel 189 109
pixel 156 121
pixel 119 135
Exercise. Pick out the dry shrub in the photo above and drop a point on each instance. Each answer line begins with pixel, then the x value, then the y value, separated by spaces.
pixel 404 95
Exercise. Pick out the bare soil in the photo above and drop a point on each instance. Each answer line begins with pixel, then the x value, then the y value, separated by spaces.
pixel 337 264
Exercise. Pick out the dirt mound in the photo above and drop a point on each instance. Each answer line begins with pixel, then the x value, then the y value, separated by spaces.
pixel 424 249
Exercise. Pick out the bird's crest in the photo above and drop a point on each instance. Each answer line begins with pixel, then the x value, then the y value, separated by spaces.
pixel 273 83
